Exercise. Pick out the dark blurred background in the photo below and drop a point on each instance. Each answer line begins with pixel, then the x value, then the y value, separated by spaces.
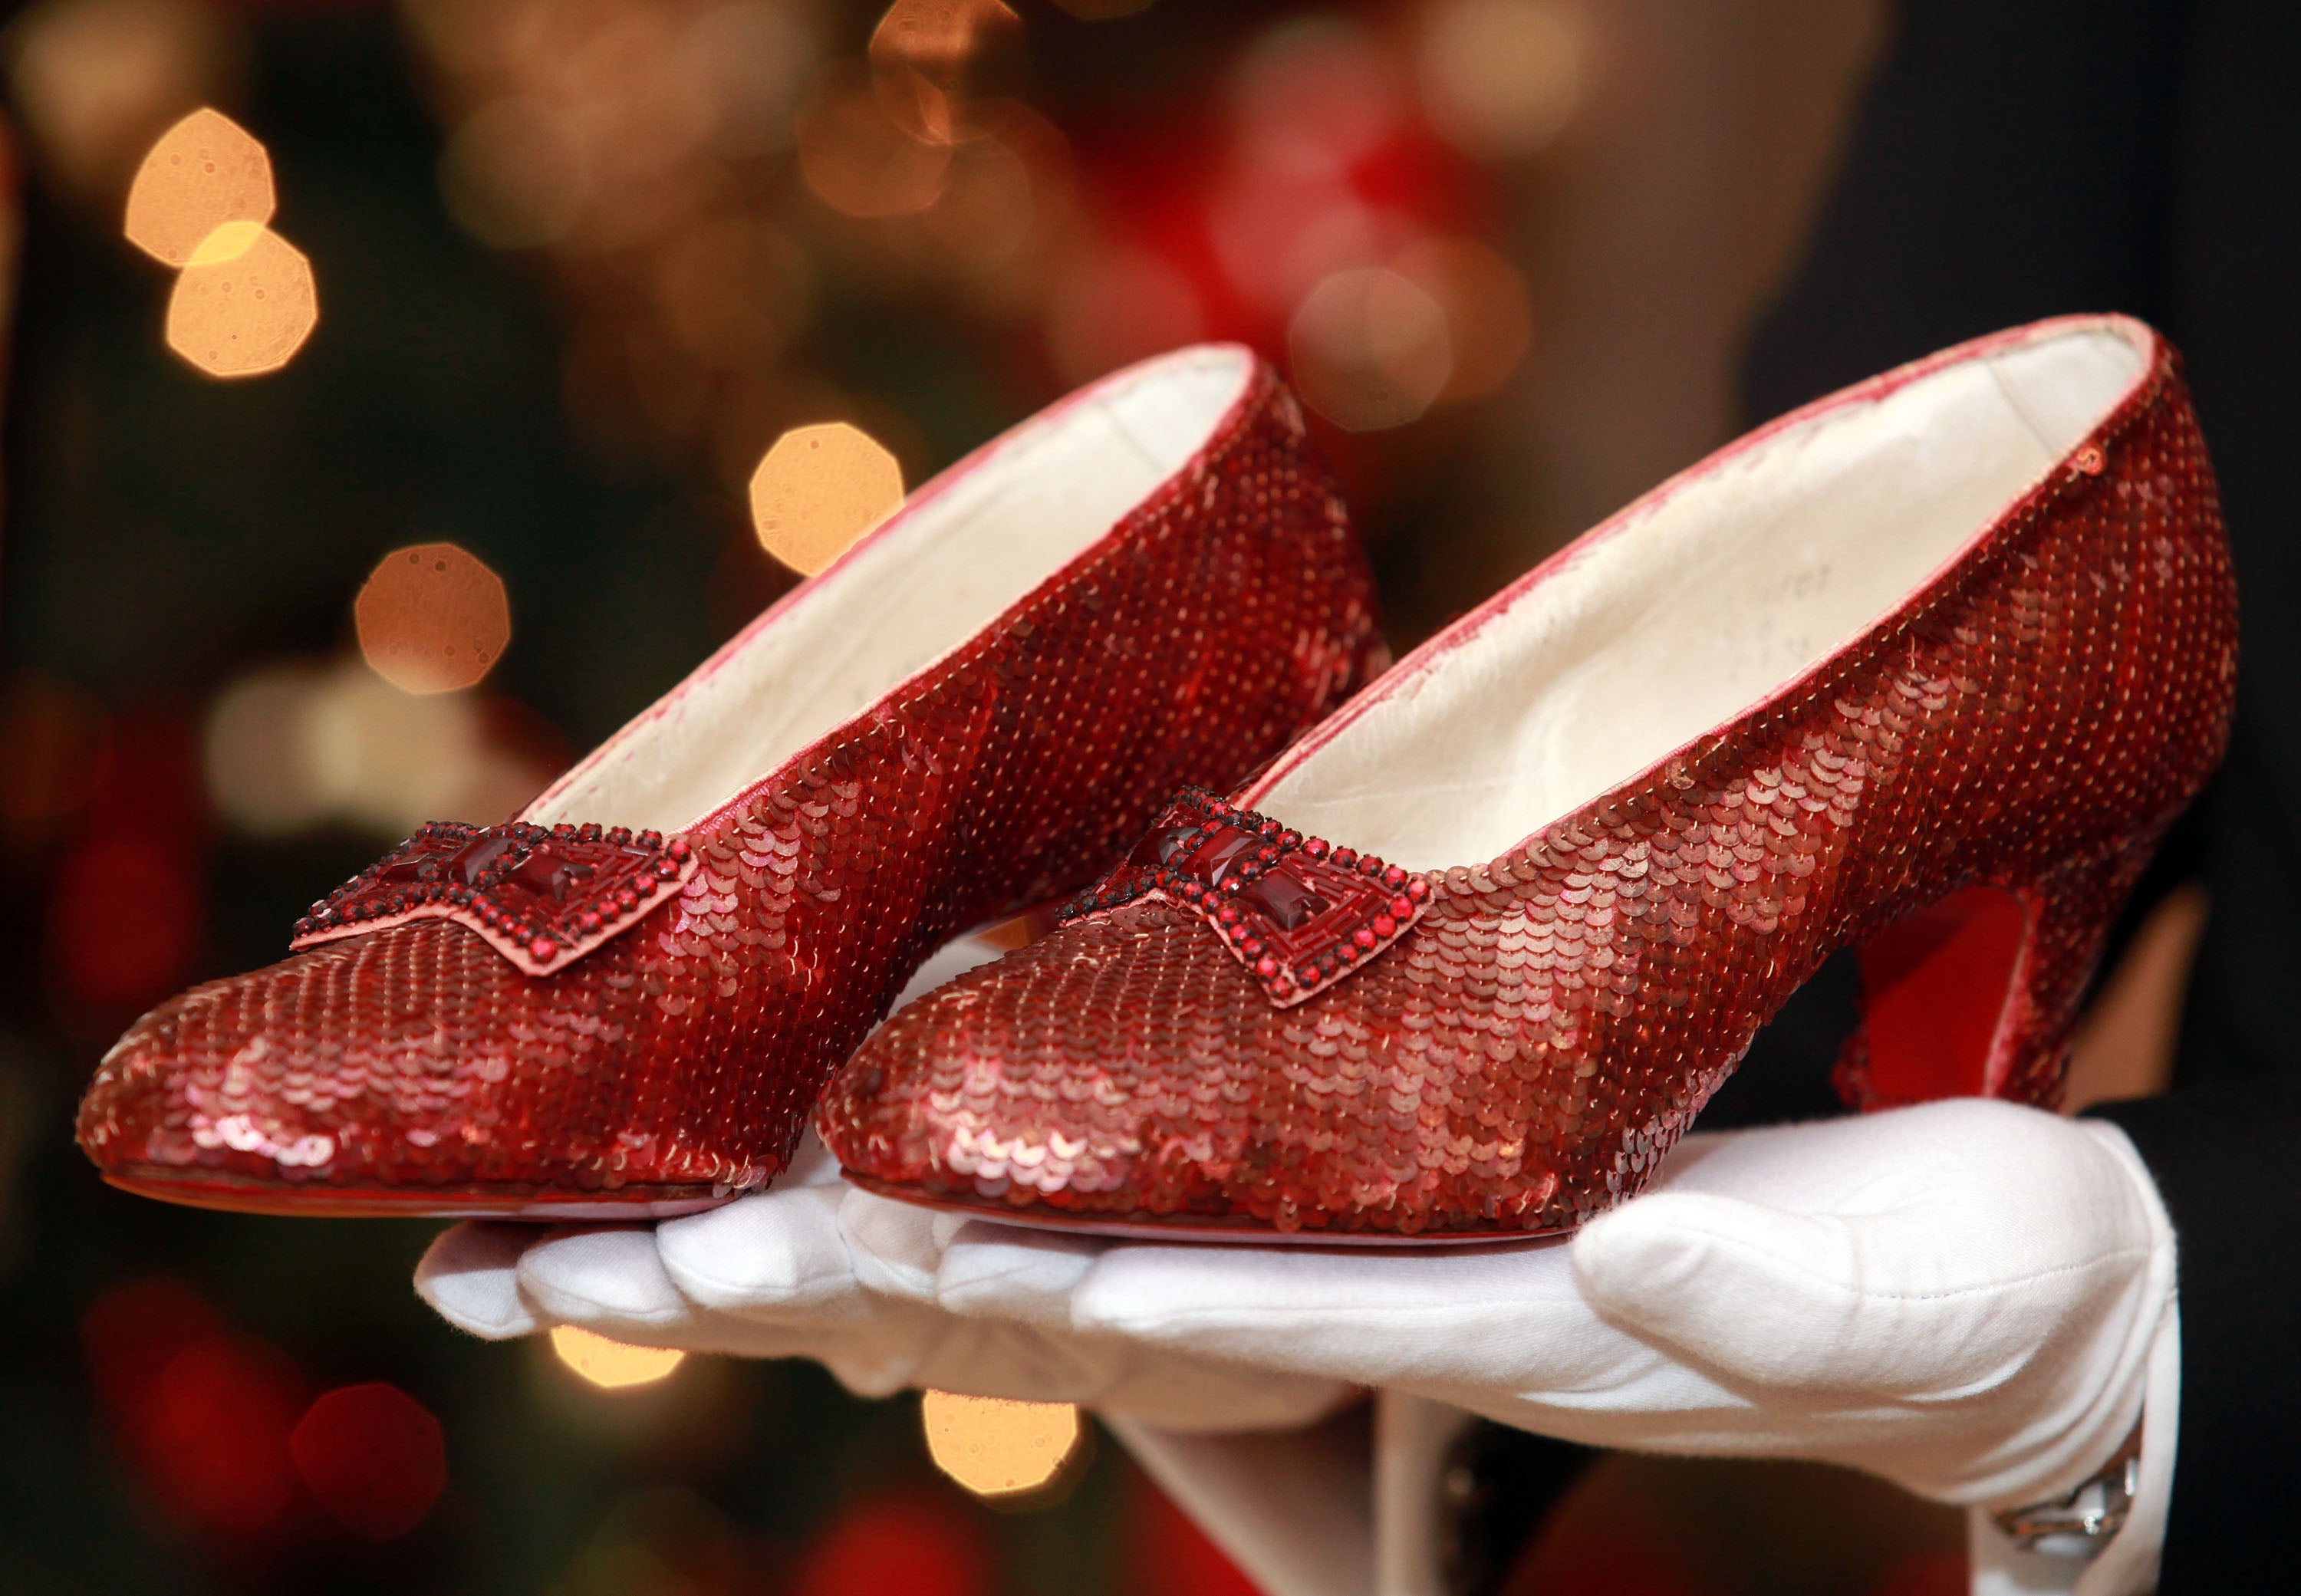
pixel 577 264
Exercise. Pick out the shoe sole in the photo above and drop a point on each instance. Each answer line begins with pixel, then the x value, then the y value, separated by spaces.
pixel 1234 1232
pixel 226 1194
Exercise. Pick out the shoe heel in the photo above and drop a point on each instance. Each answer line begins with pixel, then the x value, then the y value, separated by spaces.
pixel 1975 995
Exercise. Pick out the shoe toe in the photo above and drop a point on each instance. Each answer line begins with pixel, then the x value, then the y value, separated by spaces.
pixel 382 1065
pixel 1109 1070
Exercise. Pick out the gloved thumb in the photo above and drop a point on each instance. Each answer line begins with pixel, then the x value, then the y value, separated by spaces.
pixel 1939 1277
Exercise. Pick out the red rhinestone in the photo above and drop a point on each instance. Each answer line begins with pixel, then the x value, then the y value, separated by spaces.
pixel 1384 925
pixel 1363 937
pixel 1402 908
pixel 542 948
pixel 1266 966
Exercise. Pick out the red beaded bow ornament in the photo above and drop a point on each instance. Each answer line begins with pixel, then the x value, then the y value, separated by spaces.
pixel 1298 912
pixel 542 896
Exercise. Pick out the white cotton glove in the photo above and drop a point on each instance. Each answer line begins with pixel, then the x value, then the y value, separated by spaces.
pixel 885 1295
pixel 1969 1299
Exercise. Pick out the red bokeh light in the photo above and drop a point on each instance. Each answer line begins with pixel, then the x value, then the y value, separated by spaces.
pixel 1167 1554
pixel 201 1414
pixel 125 920
pixel 901 1545
pixel 374 1457
pixel 127 900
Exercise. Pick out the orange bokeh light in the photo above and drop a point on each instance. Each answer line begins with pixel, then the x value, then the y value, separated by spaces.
pixel 1503 77
pixel 861 160
pixel 203 172
pixel 994 1447
pixel 819 489
pixel 612 1365
pixel 244 303
pixel 1489 311
pixel 432 618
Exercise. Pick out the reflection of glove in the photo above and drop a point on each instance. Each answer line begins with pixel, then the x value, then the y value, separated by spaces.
pixel 1969 1299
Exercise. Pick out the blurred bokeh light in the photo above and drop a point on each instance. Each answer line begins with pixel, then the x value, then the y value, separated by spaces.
pixel 203 1413
pixel 1370 349
pixel 290 748
pixel 818 490
pixel 373 1457
pixel 205 171
pixel 900 1544
pixel 97 80
pixel 1488 309
pixel 1503 78
pixel 859 160
pixel 999 1447
pixel 609 1364
pixel 432 618
pixel 515 176
pixel 244 303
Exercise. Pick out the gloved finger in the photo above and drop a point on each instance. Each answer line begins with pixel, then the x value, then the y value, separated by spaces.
pixel 993 1271
pixel 897 1248
pixel 1183 1394
pixel 1939 1251
pixel 1505 1317
pixel 470 1275
pixel 778 1257
pixel 606 1278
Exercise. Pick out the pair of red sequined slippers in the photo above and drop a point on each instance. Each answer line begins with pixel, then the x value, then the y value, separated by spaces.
pixel 1924 668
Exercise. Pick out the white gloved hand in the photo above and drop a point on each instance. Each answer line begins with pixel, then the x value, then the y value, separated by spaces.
pixel 886 1295
pixel 1960 1297
pixel 1969 1299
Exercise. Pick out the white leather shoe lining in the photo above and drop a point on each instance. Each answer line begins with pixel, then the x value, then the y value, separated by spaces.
pixel 1706 596
pixel 963 549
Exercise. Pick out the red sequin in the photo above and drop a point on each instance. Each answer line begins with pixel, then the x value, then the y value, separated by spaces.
pixel 1526 1054
pixel 416 1069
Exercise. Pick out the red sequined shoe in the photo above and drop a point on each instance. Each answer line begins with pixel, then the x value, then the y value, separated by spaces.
pixel 1924 668
pixel 626 1003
